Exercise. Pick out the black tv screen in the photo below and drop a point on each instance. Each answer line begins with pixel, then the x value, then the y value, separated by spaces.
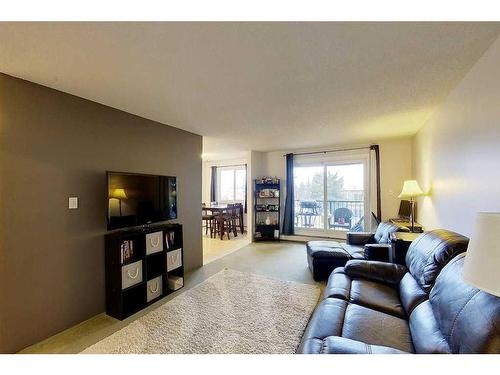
pixel 137 199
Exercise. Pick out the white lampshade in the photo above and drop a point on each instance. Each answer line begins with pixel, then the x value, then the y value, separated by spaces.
pixel 482 262
pixel 410 189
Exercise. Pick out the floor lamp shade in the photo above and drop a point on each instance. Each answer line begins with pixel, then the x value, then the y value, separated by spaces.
pixel 482 262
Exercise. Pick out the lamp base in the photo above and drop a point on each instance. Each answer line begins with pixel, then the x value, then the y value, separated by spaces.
pixel 412 214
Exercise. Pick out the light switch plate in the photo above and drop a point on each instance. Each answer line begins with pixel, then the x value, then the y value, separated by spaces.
pixel 73 203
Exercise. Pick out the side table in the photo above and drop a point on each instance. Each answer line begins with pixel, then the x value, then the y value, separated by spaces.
pixel 400 242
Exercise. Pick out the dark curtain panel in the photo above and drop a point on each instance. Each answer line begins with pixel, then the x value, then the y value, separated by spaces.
pixel 288 219
pixel 213 185
pixel 376 150
pixel 246 183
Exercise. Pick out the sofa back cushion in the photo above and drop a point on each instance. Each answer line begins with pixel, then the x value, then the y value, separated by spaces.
pixel 468 318
pixel 430 252
pixel 384 231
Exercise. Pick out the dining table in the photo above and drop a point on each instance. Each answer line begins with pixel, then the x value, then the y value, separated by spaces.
pixel 219 209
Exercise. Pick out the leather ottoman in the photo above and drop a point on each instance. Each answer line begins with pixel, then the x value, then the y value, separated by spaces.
pixel 324 256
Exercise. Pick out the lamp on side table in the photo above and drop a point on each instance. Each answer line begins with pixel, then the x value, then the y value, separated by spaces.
pixel 411 189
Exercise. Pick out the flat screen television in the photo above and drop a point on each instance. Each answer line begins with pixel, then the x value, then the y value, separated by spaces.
pixel 138 199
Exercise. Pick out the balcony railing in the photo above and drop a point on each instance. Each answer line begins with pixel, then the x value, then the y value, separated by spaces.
pixel 341 214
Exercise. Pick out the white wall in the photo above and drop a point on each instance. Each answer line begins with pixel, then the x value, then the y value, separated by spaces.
pixel 395 167
pixel 456 156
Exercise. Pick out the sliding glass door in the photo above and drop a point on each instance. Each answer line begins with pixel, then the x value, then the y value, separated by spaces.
pixel 309 196
pixel 331 196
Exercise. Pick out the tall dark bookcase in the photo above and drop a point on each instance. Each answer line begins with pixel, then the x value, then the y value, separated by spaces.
pixel 142 266
pixel 267 209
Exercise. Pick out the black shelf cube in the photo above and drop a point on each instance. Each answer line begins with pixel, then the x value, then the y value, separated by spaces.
pixel 126 297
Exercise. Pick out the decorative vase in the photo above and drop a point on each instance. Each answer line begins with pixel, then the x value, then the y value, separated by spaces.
pixel 268 220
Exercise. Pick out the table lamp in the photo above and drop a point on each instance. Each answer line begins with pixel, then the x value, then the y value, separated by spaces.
pixel 482 262
pixel 411 189
pixel 119 194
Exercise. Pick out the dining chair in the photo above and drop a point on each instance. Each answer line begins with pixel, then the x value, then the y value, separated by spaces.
pixel 234 214
pixel 239 217
pixel 227 222
pixel 208 219
pixel 221 224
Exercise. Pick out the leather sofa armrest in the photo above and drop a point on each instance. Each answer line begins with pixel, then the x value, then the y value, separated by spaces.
pixel 376 251
pixel 342 345
pixel 378 271
pixel 359 238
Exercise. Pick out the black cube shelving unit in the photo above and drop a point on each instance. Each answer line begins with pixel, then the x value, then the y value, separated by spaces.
pixel 267 210
pixel 135 281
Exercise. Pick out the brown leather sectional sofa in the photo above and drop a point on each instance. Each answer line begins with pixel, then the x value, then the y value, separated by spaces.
pixel 423 307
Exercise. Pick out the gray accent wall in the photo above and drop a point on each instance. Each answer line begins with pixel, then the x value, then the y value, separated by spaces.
pixel 52 146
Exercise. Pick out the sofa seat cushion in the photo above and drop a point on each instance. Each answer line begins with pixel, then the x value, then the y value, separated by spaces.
pixel 342 345
pixel 371 294
pixel 376 328
pixel 336 317
pixel 327 319
pixel 377 296
pixel 333 249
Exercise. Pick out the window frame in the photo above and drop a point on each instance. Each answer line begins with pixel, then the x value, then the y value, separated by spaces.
pixel 232 168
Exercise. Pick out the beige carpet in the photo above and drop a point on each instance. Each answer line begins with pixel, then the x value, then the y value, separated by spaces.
pixel 231 312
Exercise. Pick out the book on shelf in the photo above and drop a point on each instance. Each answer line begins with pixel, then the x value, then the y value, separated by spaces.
pixel 169 239
pixel 127 251
pixel 269 193
pixel 267 180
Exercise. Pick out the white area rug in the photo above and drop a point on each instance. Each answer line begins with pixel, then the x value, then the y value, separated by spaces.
pixel 231 312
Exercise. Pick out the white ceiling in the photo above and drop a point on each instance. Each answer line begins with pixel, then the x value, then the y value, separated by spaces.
pixel 255 86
